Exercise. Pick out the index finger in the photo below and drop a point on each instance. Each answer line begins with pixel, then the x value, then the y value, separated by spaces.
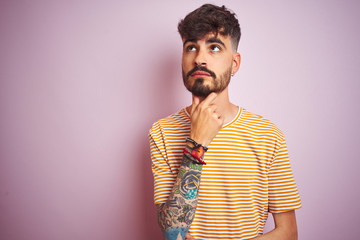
pixel 209 99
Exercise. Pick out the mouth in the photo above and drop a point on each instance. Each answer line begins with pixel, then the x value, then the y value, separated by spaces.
pixel 200 74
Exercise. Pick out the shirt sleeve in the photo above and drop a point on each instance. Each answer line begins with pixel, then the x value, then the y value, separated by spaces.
pixel 164 178
pixel 283 193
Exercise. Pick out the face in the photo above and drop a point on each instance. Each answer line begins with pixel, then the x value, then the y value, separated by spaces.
pixel 207 64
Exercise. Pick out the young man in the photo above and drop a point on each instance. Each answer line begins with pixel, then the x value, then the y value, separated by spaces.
pixel 219 169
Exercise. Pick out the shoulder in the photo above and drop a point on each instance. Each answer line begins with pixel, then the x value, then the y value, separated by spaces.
pixel 259 125
pixel 175 121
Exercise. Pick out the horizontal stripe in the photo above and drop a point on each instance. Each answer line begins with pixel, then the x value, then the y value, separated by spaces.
pixel 247 174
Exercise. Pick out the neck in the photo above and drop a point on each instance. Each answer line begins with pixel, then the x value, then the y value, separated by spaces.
pixel 224 107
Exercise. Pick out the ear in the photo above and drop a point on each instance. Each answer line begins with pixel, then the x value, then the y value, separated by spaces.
pixel 236 62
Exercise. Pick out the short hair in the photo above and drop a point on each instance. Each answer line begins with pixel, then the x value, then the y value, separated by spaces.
pixel 210 19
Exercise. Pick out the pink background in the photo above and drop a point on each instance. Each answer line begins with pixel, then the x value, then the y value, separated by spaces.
pixel 82 82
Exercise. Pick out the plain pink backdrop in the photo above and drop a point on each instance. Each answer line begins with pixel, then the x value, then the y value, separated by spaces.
pixel 82 82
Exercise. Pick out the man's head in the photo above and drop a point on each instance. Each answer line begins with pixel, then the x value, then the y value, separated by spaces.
pixel 210 19
pixel 210 37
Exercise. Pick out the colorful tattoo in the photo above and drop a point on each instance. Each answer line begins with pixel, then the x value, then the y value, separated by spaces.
pixel 190 183
pixel 174 233
pixel 176 215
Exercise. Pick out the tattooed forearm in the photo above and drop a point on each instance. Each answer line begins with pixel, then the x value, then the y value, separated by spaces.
pixel 176 215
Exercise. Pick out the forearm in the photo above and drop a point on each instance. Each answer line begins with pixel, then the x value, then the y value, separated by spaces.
pixel 176 215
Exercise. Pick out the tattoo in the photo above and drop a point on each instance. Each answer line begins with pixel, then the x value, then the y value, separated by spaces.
pixel 176 215
pixel 188 213
pixel 189 184
pixel 174 233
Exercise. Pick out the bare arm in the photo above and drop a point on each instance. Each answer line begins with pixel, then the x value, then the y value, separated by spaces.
pixel 177 213
pixel 285 227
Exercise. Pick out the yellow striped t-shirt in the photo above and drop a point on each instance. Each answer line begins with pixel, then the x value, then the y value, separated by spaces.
pixel 247 175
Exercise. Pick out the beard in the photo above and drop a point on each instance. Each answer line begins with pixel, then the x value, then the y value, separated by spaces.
pixel 199 89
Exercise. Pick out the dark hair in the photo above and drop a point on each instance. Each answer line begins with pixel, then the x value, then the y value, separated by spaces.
pixel 210 19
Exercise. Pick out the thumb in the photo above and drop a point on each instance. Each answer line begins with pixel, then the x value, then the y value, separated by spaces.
pixel 195 103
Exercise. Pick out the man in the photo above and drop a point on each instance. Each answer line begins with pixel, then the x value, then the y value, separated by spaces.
pixel 219 169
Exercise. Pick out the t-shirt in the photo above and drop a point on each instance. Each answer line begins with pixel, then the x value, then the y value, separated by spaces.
pixel 247 175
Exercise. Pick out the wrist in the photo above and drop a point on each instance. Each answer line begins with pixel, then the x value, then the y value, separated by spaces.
pixel 195 151
pixel 195 154
pixel 190 144
pixel 201 142
pixel 196 144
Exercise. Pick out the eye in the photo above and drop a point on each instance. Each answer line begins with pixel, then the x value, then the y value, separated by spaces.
pixel 215 48
pixel 190 48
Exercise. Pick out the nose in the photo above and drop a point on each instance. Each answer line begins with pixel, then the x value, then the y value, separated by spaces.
pixel 200 59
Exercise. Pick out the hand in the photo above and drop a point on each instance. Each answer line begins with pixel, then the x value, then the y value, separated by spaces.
pixel 205 121
pixel 189 237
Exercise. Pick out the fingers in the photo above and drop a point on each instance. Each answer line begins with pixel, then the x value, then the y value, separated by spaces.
pixel 221 120
pixel 209 99
pixel 205 119
pixel 205 103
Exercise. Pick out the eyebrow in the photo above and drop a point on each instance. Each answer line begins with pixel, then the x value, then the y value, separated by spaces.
pixel 210 40
pixel 216 40
pixel 189 40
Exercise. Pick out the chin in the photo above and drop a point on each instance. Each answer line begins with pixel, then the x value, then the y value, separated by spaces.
pixel 202 94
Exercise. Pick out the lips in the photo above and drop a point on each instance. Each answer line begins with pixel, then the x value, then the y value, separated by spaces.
pixel 200 71
pixel 200 74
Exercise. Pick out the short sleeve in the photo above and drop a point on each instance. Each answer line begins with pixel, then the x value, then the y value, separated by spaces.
pixel 164 178
pixel 283 193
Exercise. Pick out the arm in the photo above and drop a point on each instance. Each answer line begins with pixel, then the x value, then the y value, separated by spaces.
pixel 177 213
pixel 283 197
pixel 285 227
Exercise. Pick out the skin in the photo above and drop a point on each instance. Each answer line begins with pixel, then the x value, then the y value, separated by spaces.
pixel 217 55
pixel 208 114
pixel 177 213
